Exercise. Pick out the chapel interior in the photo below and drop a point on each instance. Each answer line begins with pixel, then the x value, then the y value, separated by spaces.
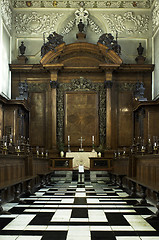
pixel 79 114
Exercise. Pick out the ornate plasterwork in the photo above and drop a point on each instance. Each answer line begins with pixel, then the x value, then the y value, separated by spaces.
pixel 86 20
pixel 127 23
pixel 88 4
pixel 6 13
pixel 155 16
pixel 33 22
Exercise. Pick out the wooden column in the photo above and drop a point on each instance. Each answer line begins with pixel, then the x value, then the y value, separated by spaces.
pixel 53 69
pixel 53 84
pixel 108 87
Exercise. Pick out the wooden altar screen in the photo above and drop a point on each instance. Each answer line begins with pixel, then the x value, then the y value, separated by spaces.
pixel 67 79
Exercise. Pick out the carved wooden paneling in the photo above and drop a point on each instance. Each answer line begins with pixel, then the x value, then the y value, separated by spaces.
pixel 81 117
pixel 121 165
pixel 152 124
pixel 125 119
pixel 12 168
pixel 39 165
pixel 147 169
pixel 146 120
pixel 37 118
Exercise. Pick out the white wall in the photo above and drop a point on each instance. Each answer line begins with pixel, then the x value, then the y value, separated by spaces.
pixel 5 82
pixel 156 62
pixel 5 49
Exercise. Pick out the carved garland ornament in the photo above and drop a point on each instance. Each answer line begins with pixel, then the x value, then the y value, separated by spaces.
pixel 34 23
pixel 6 13
pixel 128 22
pixel 80 84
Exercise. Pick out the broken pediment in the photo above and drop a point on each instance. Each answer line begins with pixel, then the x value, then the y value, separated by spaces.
pixel 81 54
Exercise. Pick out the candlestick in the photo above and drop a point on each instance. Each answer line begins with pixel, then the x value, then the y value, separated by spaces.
pixel 93 144
pixel 69 144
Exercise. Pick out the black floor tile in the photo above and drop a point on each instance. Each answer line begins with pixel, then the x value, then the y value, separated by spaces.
pixel 154 224
pixel 90 194
pixel 42 219
pixel 102 235
pixel 112 194
pixel 79 213
pixel 116 219
pixel 143 211
pixel 4 222
pixel 11 232
pixel 69 194
pixel 126 233
pixel 57 235
pixel 17 210
pixel 148 233
pixel 80 201
pixel 131 202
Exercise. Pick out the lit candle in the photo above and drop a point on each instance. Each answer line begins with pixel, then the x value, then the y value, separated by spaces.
pixel 93 138
pixel 68 138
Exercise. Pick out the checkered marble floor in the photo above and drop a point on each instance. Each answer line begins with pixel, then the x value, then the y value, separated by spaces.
pixel 72 211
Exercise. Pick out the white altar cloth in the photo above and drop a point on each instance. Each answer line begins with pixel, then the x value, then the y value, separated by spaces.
pixel 81 158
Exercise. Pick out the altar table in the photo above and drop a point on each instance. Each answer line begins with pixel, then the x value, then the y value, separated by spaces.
pixel 81 158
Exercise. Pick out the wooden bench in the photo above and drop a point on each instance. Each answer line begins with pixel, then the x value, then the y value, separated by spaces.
pixel 45 178
pixel 17 185
pixel 117 178
pixel 134 182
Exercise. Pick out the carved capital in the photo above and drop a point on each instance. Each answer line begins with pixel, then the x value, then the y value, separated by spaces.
pixel 108 84
pixel 53 84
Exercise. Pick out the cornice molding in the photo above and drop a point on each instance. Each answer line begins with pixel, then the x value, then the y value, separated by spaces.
pixel 87 4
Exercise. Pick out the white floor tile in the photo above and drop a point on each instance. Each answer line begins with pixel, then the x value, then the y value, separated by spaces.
pixel 100 228
pixel 8 206
pixel 80 190
pixel 57 228
pixel 32 210
pixel 149 238
pixel 128 238
pixel 20 222
pixel 35 228
pixel 79 228
pixel 93 200
pixel 29 238
pixel 67 200
pixel 138 223
pixel 62 215
pixel 9 215
pixel 80 194
pixel 97 216
pixel 78 238
pixel 79 220
pixel 79 233
pixel 122 228
pixel 8 237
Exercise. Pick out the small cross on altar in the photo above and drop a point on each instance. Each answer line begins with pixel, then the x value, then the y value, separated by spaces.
pixel 81 141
